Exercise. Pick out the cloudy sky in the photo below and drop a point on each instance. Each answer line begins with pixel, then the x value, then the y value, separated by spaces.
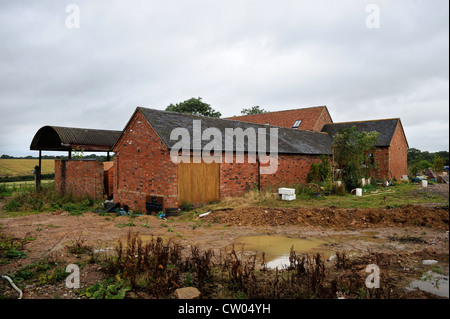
pixel 90 63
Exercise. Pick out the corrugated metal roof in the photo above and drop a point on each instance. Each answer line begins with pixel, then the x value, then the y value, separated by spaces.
pixel 290 141
pixel 57 138
pixel 385 127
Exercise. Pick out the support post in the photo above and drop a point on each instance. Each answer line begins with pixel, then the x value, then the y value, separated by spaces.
pixel 37 173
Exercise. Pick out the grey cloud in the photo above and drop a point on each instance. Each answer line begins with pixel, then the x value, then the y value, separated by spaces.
pixel 234 54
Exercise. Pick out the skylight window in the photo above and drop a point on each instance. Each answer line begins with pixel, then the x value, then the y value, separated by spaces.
pixel 296 124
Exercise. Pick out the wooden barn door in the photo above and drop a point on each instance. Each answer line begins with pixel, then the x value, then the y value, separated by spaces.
pixel 198 182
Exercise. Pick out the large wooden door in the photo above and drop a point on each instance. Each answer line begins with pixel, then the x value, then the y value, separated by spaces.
pixel 198 182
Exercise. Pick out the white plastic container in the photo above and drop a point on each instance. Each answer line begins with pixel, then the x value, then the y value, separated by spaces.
pixel 286 191
pixel 363 182
pixel 359 192
pixel 287 197
pixel 424 183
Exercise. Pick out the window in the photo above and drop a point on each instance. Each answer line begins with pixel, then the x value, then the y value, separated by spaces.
pixel 267 124
pixel 371 159
pixel 296 124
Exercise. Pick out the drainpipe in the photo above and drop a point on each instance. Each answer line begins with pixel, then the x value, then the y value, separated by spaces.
pixel 259 173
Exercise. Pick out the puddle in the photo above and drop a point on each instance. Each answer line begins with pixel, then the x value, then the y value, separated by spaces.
pixel 277 248
pixel 431 282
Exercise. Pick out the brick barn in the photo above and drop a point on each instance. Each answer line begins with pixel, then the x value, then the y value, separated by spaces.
pixel 145 171
pixel 145 177
pixel 390 151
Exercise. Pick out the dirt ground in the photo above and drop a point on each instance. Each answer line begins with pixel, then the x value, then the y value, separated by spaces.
pixel 353 230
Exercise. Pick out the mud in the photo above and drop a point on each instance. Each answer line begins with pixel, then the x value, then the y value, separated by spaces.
pixel 357 232
pixel 410 215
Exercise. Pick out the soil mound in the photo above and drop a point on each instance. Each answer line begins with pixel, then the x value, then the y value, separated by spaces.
pixel 409 215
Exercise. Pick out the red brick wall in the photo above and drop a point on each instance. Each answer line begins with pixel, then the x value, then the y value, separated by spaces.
pixel 79 177
pixel 292 170
pixel 381 157
pixel 236 178
pixel 313 118
pixel 398 153
pixel 391 162
pixel 324 118
pixel 142 167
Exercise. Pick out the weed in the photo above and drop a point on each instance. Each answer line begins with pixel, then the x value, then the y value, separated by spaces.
pixel 11 248
pixel 106 290
pixel 122 225
pixel 146 224
pixel 78 247
pixel 53 277
pixel 12 205
pixel 436 269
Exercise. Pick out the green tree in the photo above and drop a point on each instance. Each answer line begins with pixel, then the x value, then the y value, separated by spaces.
pixel 194 106
pixel 253 110
pixel 419 167
pixel 350 149
pixel 438 163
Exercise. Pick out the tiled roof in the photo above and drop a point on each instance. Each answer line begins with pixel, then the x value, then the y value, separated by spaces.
pixel 385 127
pixel 290 141
pixel 309 118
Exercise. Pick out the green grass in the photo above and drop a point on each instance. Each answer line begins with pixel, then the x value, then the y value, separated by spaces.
pixel 20 167
pixel 374 197
pixel 26 201
pixel 24 184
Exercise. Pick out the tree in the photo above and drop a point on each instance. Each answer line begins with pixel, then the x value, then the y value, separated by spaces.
pixel 438 163
pixel 419 167
pixel 194 106
pixel 350 149
pixel 253 110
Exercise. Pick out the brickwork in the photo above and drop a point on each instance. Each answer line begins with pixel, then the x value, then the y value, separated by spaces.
pixel 381 159
pixel 398 153
pixel 292 170
pixel 142 167
pixel 80 178
pixel 236 178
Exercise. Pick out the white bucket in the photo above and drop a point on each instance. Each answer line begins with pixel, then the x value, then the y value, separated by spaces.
pixel 359 192
pixel 424 183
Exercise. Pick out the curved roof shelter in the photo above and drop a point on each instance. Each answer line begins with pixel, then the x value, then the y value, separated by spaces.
pixel 57 138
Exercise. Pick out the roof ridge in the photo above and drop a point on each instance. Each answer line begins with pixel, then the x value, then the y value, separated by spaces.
pixel 297 109
pixel 229 119
pixel 347 122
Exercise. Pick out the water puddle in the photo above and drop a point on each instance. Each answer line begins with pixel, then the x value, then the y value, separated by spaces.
pixel 277 248
pixel 431 282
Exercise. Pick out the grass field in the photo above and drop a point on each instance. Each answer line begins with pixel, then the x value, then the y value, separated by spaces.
pixel 21 167
pixel 24 184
